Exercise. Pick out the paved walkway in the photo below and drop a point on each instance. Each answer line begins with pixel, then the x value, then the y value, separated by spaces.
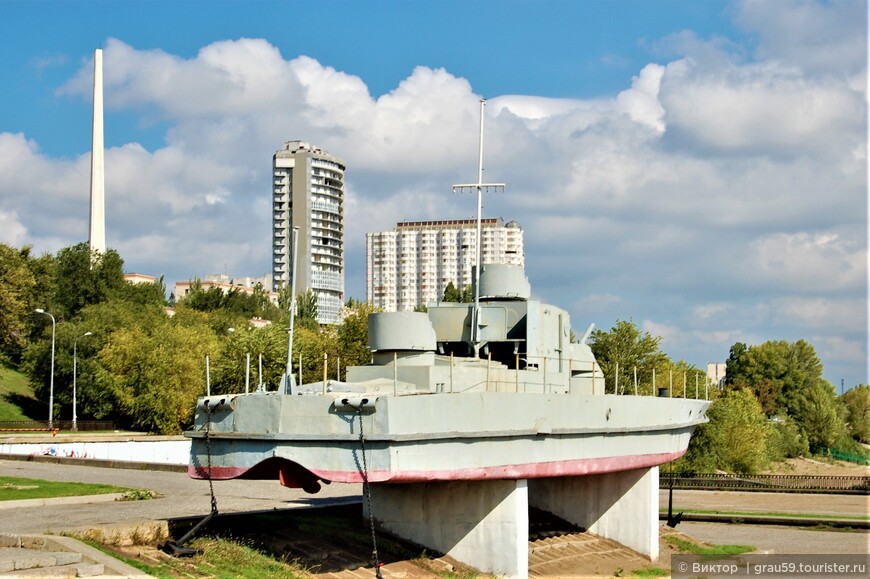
pixel 181 496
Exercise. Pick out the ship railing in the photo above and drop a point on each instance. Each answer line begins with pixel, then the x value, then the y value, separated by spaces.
pixel 505 379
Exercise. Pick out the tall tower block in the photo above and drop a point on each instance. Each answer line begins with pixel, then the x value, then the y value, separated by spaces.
pixel 308 193
pixel 97 238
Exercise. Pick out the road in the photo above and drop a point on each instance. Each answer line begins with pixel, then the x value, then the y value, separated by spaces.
pixel 767 503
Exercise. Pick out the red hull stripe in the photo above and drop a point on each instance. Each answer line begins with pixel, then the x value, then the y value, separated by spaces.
pixel 577 467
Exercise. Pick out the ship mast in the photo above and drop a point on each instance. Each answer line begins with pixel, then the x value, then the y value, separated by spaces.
pixel 480 186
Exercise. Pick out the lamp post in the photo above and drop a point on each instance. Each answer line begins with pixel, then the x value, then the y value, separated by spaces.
pixel 51 379
pixel 75 425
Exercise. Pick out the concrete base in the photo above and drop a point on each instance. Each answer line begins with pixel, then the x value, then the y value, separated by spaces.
pixel 622 506
pixel 484 524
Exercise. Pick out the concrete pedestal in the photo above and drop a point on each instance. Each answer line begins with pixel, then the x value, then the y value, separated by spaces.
pixel 484 524
pixel 622 506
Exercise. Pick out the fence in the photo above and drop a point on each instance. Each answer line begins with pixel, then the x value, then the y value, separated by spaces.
pixel 768 483
pixel 842 455
pixel 43 426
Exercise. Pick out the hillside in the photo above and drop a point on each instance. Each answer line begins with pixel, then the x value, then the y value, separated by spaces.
pixel 16 398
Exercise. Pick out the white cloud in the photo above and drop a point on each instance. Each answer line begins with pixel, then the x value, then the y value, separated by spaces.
pixel 809 262
pixel 823 313
pixel 722 194
pixel 760 109
pixel 12 231
pixel 819 37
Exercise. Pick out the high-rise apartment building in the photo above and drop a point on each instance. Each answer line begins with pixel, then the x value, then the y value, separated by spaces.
pixel 308 193
pixel 411 265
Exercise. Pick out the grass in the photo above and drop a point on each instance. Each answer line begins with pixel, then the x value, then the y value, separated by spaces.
pixel 652 572
pixel 689 547
pixel 16 397
pixel 14 489
pixel 220 559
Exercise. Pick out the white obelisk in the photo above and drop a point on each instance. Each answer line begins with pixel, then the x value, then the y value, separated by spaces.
pixel 97 237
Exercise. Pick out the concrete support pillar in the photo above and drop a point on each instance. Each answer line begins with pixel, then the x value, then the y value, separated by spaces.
pixel 484 524
pixel 622 506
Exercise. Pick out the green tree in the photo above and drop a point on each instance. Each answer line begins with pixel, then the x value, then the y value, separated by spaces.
pixel 735 438
pixel 353 334
pixel 154 376
pixel 142 293
pixel 787 380
pixel 776 371
pixel 451 294
pixel 268 344
pixel 818 414
pixel 306 310
pixel 467 295
pixel 17 286
pixel 857 404
pixel 626 347
pixel 85 278
pixel 785 439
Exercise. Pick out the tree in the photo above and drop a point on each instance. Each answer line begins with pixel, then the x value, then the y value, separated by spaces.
pixel 467 295
pixel 451 294
pixel 735 438
pixel 624 345
pixel 102 320
pixel 776 371
pixel 154 375
pixel 857 404
pixel 785 439
pixel 142 293
pixel 787 380
pixel 306 310
pixel 817 413
pixel 17 285
pixel 353 334
pixel 85 278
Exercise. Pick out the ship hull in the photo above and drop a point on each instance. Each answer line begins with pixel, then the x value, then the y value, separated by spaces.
pixel 305 440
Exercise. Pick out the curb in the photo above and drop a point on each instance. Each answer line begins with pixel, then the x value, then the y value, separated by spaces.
pixel 97 462
pixel 75 500
pixel 801 521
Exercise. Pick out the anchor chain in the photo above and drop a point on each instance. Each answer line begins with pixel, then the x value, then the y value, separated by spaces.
pixel 177 548
pixel 368 494
pixel 214 508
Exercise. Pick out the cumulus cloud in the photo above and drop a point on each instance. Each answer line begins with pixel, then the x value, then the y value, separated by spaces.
pixel 721 195
pixel 809 262
pixel 818 37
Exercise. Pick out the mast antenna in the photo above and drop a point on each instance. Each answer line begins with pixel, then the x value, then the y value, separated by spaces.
pixel 480 187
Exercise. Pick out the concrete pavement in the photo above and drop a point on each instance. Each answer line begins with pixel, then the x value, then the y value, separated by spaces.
pixel 180 496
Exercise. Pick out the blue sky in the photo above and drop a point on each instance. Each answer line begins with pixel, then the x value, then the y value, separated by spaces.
pixel 697 167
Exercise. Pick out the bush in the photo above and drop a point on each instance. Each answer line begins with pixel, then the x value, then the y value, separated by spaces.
pixel 785 439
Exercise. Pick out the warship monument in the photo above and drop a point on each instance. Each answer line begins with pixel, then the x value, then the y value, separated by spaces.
pixel 467 416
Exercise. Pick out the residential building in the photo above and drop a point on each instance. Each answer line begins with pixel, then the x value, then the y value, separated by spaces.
pixel 308 193
pixel 226 283
pixel 716 373
pixel 411 265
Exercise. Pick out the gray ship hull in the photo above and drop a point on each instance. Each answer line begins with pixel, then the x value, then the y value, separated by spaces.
pixel 305 440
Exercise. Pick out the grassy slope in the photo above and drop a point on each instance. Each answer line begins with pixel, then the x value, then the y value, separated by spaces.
pixel 16 397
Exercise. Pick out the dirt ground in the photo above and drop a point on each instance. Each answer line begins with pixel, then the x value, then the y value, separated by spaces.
pixel 813 467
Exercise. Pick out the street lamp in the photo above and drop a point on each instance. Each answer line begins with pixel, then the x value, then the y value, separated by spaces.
pixel 75 426
pixel 51 380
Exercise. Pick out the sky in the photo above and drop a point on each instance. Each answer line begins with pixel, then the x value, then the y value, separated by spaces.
pixel 698 168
